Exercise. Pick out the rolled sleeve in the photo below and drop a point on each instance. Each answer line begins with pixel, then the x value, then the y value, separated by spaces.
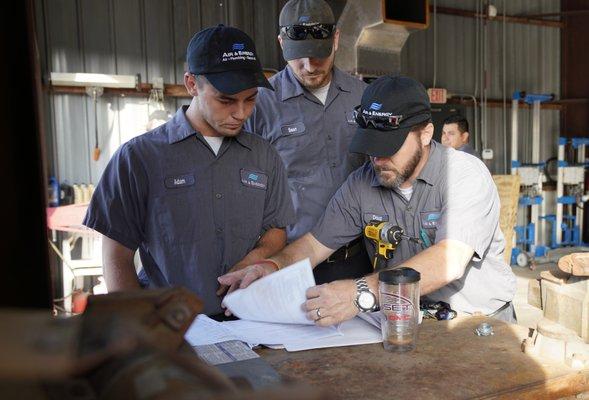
pixel 278 207
pixel 470 212
pixel 342 220
pixel 118 205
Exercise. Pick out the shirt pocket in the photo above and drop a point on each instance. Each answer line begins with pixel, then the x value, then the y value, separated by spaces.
pixel 177 209
pixel 176 212
pixel 248 208
pixel 428 225
pixel 294 143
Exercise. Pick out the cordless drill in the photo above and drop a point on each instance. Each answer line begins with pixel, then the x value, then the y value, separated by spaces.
pixel 386 237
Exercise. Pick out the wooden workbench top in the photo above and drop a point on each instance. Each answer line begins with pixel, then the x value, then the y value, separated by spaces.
pixel 450 362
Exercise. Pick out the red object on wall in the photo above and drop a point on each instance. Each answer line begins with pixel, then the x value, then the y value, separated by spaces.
pixel 79 301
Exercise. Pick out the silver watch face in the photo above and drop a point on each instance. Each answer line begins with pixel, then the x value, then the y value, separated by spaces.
pixel 366 300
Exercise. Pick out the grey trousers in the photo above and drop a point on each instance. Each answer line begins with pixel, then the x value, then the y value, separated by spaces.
pixel 507 315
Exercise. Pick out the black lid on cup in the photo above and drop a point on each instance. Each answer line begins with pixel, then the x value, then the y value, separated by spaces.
pixel 399 275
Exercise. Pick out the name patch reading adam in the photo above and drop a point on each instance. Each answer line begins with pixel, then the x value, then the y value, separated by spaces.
pixel 430 219
pixel 293 129
pixel 174 182
pixel 254 179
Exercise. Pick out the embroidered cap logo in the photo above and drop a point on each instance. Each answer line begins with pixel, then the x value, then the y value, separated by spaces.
pixel 375 106
pixel 238 46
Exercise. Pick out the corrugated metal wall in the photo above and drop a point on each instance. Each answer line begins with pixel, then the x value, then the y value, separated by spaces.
pixel 532 64
pixel 146 37
pixel 149 37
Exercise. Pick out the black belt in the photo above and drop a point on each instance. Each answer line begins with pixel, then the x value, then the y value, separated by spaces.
pixel 347 251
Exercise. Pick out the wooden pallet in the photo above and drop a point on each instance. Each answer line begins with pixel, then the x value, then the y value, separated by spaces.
pixel 508 188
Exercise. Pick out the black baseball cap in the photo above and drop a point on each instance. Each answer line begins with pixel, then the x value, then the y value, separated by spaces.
pixel 306 12
pixel 400 101
pixel 227 57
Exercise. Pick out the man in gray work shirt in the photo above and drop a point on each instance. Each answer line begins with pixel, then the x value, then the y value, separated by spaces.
pixel 197 196
pixel 445 200
pixel 308 119
pixel 455 134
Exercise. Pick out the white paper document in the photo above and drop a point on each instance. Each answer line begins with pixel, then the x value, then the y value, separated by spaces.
pixel 267 333
pixel 353 332
pixel 271 313
pixel 278 297
pixel 206 331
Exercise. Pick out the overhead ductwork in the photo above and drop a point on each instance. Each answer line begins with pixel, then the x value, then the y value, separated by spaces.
pixel 373 33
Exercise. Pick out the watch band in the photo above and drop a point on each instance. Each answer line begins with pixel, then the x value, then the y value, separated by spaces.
pixel 362 286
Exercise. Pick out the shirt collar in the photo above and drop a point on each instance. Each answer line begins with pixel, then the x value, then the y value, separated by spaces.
pixel 291 87
pixel 429 173
pixel 179 129
pixel 243 139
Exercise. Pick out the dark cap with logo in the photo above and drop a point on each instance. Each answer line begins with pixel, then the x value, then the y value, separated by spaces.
pixel 391 106
pixel 227 57
pixel 306 13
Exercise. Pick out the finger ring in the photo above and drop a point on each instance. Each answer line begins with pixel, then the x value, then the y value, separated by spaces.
pixel 318 314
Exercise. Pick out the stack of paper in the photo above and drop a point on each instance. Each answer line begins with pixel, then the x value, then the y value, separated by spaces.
pixel 271 313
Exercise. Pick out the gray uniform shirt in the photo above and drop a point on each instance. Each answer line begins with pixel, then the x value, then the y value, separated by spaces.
pixel 193 215
pixel 454 197
pixel 311 138
pixel 467 148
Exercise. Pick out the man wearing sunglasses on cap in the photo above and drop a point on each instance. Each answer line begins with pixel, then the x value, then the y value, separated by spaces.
pixel 445 200
pixel 307 118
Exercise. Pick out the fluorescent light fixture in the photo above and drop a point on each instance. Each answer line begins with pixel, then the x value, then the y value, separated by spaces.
pixel 88 80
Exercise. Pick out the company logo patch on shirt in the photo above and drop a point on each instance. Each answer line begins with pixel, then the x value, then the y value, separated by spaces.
pixel 376 217
pixel 293 129
pixel 254 179
pixel 430 219
pixel 174 182
pixel 350 117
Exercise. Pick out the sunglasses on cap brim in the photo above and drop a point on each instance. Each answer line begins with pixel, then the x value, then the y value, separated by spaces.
pixel 300 32
pixel 382 123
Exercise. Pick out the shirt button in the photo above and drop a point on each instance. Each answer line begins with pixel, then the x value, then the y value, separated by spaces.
pixel 333 165
pixel 328 137
pixel 218 195
pixel 409 208
pixel 219 230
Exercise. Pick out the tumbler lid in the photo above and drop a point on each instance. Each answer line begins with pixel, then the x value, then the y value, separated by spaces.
pixel 399 275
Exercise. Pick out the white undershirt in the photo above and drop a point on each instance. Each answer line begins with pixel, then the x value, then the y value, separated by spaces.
pixel 215 142
pixel 321 93
pixel 407 193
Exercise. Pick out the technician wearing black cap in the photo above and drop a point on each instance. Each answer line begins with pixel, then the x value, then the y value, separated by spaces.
pixel 307 118
pixel 197 196
pixel 444 199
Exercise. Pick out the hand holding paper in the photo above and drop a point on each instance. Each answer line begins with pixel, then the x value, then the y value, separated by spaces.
pixel 278 297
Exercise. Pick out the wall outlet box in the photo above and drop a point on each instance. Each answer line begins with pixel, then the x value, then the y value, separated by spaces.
pixel 487 154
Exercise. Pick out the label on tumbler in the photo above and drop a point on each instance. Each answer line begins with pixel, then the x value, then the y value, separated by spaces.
pixel 396 307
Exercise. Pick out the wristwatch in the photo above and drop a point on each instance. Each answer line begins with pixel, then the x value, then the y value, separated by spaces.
pixel 365 299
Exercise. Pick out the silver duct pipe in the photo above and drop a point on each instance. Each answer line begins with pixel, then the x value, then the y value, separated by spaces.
pixel 368 45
